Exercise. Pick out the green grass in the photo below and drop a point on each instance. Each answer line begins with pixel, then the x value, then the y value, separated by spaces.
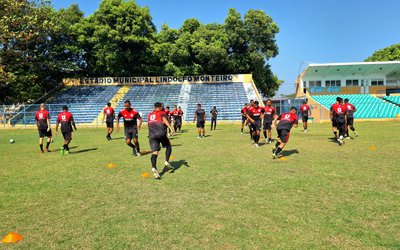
pixel 224 193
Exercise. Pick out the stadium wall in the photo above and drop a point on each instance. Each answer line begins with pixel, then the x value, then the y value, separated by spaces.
pixel 153 80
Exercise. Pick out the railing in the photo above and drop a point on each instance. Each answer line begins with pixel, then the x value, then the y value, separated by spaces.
pixel 88 116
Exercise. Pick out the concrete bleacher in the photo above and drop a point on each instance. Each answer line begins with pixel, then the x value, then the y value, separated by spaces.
pixel 227 97
pixel 85 103
pixel 393 99
pixel 367 106
pixel 143 97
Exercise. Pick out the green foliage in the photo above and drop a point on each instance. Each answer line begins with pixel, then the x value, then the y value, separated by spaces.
pixel 391 53
pixel 39 46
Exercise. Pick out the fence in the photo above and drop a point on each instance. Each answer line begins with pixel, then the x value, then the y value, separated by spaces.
pixel 24 115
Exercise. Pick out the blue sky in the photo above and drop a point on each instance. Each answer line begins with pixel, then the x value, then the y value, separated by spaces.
pixel 315 31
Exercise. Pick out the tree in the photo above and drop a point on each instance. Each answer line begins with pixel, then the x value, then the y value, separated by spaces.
pixel 391 53
pixel 117 39
pixel 26 28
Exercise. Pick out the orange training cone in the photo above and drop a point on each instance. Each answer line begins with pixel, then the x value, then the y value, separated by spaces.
pixel 12 238
pixel 145 175
pixel 111 165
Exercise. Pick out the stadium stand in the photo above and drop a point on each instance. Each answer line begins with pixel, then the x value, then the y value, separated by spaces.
pixel 393 99
pixel 228 97
pixel 367 106
pixel 143 97
pixel 85 103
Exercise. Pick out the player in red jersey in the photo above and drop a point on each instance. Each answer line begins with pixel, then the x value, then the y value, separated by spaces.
pixel 334 126
pixel 168 114
pixel 286 122
pixel 42 118
pixel 109 116
pixel 243 112
pixel 176 117
pixel 254 116
pixel 268 117
pixel 157 123
pixel 130 117
pixel 305 111
pixel 339 114
pixel 350 110
pixel 67 122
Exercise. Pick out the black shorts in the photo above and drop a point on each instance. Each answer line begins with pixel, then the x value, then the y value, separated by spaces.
pixel 256 125
pixel 178 122
pixel 350 121
pixel 131 133
pixel 110 124
pixel 267 125
pixel 67 136
pixel 244 118
pixel 157 140
pixel 341 126
pixel 200 124
pixel 44 132
pixel 305 118
pixel 334 124
pixel 284 135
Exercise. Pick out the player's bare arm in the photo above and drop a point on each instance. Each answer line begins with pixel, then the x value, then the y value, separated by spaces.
pixel 117 123
pixel 166 122
pixel 73 123
pixel 48 125
pixel 140 122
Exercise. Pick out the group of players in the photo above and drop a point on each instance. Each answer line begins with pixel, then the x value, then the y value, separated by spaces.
pixel 342 117
pixel 161 119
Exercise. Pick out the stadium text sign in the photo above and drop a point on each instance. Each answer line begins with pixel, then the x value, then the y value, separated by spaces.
pixel 154 80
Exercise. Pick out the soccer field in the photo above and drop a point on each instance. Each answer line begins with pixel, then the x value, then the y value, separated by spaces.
pixel 223 193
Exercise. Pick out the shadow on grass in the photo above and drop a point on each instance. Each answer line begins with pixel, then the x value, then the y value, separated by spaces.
pixel 176 166
pixel 118 138
pixel 289 152
pixel 176 145
pixel 83 151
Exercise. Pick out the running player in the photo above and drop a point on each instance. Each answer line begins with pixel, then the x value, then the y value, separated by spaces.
pixel 42 118
pixel 175 115
pixel 67 122
pixel 200 116
pixel 269 116
pixel 109 115
pixel 214 114
pixel 305 113
pixel 334 126
pixel 243 112
pixel 131 127
pixel 286 122
pixel 180 118
pixel 254 116
pixel 251 104
pixel 168 115
pixel 338 113
pixel 157 121
pixel 350 110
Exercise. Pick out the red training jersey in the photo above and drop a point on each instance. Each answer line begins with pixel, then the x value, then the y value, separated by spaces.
pixel 269 113
pixel 255 112
pixel 110 113
pixel 130 118
pixel 304 109
pixel 156 124
pixel 287 120
pixel 65 118
pixel 41 118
